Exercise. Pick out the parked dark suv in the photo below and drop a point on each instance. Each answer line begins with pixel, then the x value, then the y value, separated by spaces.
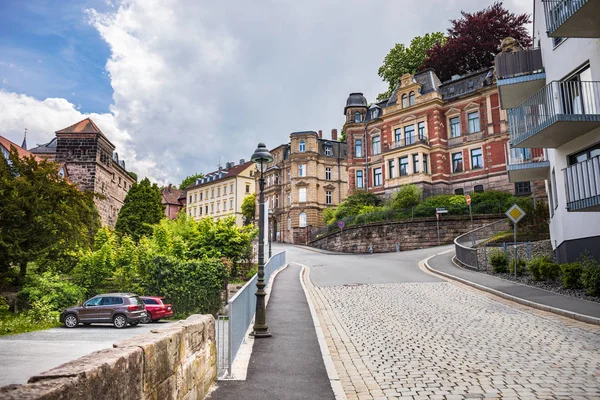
pixel 119 309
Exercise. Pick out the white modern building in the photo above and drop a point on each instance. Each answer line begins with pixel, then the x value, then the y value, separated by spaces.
pixel 552 93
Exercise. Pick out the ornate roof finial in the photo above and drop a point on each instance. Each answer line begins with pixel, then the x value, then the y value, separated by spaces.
pixel 24 145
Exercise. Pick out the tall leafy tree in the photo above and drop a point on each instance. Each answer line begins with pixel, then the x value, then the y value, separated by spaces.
pixel 474 40
pixel 41 212
pixel 189 180
pixel 406 60
pixel 142 209
pixel 249 208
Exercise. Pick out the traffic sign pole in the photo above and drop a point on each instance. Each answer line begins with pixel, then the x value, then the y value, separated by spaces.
pixel 515 213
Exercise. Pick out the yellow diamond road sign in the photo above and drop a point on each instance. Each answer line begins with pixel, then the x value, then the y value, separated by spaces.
pixel 515 213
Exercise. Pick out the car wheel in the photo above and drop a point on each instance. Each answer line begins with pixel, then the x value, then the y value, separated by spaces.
pixel 120 321
pixel 71 321
pixel 134 323
pixel 147 319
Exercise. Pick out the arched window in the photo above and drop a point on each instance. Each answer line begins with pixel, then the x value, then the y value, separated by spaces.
pixel 302 147
pixel 404 100
pixel 302 220
pixel 357 117
pixel 478 189
pixel 459 191
pixel 411 99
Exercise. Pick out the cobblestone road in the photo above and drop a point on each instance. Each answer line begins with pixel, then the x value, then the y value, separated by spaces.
pixel 442 341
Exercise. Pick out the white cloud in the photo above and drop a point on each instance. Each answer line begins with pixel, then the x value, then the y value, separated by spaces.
pixel 194 81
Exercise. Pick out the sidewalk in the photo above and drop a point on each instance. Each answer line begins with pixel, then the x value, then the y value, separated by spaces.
pixel 288 365
pixel 571 307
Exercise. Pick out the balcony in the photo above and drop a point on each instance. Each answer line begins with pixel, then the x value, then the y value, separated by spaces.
pixel 582 182
pixel 572 18
pixel 519 75
pixel 525 165
pixel 409 141
pixel 555 115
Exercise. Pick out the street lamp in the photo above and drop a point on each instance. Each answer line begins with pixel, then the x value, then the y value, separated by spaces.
pixel 262 158
pixel 271 235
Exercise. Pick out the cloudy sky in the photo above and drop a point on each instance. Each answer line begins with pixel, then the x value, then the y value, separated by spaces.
pixel 178 85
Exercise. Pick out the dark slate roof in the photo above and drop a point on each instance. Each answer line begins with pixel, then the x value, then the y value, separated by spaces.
pixel 304 133
pixel 46 148
pixel 467 84
pixel 427 79
pixel 355 100
pixel 339 149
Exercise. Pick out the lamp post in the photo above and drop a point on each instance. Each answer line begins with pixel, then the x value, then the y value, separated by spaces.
pixel 271 234
pixel 261 157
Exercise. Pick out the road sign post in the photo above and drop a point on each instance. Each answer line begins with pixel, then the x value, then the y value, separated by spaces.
pixel 341 226
pixel 515 214
pixel 439 211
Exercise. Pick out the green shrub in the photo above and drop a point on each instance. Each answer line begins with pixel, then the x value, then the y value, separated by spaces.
pixel 550 271
pixel 571 275
pixel 499 261
pixel 408 196
pixel 542 268
pixel 590 275
pixel 535 267
pixel 520 264
pixel 50 291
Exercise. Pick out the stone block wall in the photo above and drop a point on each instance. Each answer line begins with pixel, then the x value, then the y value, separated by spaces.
pixel 525 252
pixel 176 361
pixel 413 234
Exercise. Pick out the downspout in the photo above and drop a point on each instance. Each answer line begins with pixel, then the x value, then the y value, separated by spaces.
pixel 339 175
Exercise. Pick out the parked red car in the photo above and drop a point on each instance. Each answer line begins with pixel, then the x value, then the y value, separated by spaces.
pixel 156 309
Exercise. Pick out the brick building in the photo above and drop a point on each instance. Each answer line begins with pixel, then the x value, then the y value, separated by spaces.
pixel 307 175
pixel 173 199
pixel 446 137
pixel 92 164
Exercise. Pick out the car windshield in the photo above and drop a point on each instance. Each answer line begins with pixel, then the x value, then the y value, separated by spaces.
pixel 135 300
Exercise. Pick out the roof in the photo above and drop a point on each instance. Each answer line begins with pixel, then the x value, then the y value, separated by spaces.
pixel 46 148
pixel 7 144
pixel 467 84
pixel 428 80
pixel 84 126
pixel 171 195
pixel 304 133
pixel 221 174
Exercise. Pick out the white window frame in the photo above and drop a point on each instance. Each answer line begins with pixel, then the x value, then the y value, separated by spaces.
pixel 359 179
pixel 377 172
pixel 302 170
pixel 302 220
pixel 302 195
pixel 376 145
pixel 302 146
pixel 475 122
pixel 327 173
pixel 329 197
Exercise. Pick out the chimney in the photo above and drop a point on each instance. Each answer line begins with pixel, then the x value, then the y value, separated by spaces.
pixel 242 161
pixel 320 134
pixel 334 134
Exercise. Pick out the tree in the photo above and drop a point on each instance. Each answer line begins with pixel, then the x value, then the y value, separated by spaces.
pixel 41 212
pixel 142 209
pixel 474 40
pixel 355 202
pixel 342 137
pixel 249 208
pixel 189 180
pixel 407 196
pixel 406 60
pixel 133 175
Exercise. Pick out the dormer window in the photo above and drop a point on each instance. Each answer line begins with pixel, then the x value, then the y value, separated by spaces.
pixel 302 146
pixel 404 100
pixel 357 117
pixel 328 150
pixel 411 99
pixel 375 113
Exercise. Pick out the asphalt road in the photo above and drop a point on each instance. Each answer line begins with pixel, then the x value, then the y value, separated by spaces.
pixel 331 269
pixel 30 353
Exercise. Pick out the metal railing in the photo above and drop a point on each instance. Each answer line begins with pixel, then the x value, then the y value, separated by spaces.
pixel 582 184
pixel 242 307
pixel 557 12
pixel 519 63
pixel 465 245
pixel 526 156
pixel 551 103
pixel 408 141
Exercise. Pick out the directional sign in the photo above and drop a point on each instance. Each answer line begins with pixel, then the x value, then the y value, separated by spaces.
pixel 441 210
pixel 341 224
pixel 515 213
pixel 468 198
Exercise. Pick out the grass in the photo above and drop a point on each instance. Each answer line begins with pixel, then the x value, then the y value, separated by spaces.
pixel 12 324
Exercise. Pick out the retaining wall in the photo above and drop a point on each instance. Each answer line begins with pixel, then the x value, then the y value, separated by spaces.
pixel 176 361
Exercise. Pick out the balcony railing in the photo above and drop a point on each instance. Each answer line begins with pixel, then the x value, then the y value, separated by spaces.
pixel 582 182
pixel 540 120
pixel 409 141
pixel 526 156
pixel 519 63
pixel 572 18
pixel 527 164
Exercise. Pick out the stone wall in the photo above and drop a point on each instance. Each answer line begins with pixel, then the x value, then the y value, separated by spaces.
pixel 525 251
pixel 176 361
pixel 413 234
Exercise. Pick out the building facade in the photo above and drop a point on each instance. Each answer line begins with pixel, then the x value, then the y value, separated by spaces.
pixel 172 199
pixel 443 137
pixel 307 176
pixel 552 93
pixel 220 194
pixel 92 164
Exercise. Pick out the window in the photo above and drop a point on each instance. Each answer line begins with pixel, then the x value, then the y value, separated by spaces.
pixel 230 189
pixel 328 151
pixel 224 205
pixel 459 191
pixel 585 155
pixel 149 301
pixel 377 177
pixel 218 207
pixel 191 197
pixel 359 179
pixel 276 201
pixel 302 195
pixel 478 189
pixel 522 188
pixel 473 119
pixel 557 40
pixel 421 130
pixel 457 162
pixel 289 223
pixel 231 204
pixel 411 99
pixel 391 169
pixel 374 113
pixel 247 188
pixel 554 190
pixel 219 192
pixel 415 163
pixel 328 197
pixel 272 202
pixel 206 195
pixel 109 301
pixel 454 127
pixel 327 173
pixel 302 220
pixel 302 170
pixel 302 147
pixel 358 151
pixel 476 159
pixel 93 302
pixel 409 134
pixel 376 143
pixel 199 210
pixel 224 191
pixel 357 117
pixel 289 199
pixel 404 100
pixel 206 209
pixel 212 208
pixel 397 135
pixel 212 193
pixel 194 211
pixel 201 196
pixel 403 166
pixel 425 166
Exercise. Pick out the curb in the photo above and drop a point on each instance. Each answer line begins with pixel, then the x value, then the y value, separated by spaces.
pixel 529 303
pixel 334 380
